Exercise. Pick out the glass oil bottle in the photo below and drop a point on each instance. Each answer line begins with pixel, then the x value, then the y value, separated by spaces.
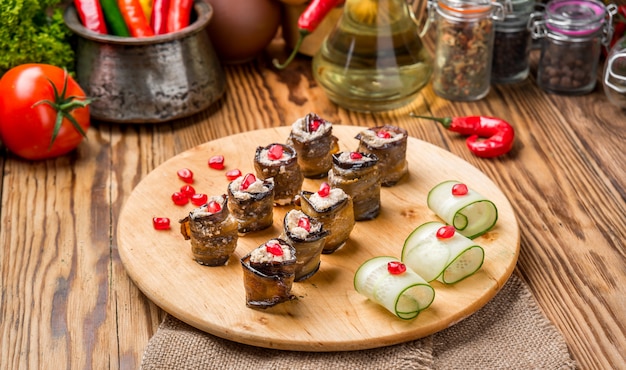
pixel 374 59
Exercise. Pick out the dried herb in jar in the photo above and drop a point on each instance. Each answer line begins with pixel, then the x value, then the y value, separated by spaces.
pixel 464 48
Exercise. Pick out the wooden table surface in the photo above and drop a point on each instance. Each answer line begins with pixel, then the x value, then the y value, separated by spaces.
pixel 67 299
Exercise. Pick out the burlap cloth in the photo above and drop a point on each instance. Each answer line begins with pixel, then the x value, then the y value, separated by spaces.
pixel 510 332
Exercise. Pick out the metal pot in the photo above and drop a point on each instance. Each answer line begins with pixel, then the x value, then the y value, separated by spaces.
pixel 152 79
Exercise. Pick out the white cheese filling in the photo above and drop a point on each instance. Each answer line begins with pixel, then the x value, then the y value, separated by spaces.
pixel 298 129
pixel 293 217
pixel 370 138
pixel 261 254
pixel 335 196
pixel 256 187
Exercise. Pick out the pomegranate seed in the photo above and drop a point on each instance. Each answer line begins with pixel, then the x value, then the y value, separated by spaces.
pixel 446 232
pixel 217 162
pixel 187 190
pixel 186 175
pixel 314 126
pixel 179 198
pixel 383 134
pixel 214 207
pixel 396 268
pixel 355 156
pixel 274 249
pixel 248 180
pixel 199 199
pixel 324 190
pixel 275 152
pixel 233 174
pixel 459 189
pixel 161 223
pixel 314 123
pixel 304 223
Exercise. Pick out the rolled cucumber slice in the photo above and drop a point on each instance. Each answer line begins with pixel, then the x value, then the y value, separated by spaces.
pixel 471 214
pixel 405 295
pixel 447 260
pixel 425 254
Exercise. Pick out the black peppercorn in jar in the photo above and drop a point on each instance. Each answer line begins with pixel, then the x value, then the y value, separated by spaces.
pixel 572 33
pixel 464 47
pixel 512 43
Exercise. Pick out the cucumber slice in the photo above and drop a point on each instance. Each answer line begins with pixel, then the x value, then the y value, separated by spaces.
pixel 465 264
pixel 426 255
pixel 405 295
pixel 471 214
pixel 447 260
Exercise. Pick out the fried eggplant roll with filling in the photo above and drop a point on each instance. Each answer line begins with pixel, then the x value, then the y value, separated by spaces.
pixel 389 144
pixel 307 236
pixel 312 138
pixel 268 273
pixel 280 161
pixel 358 175
pixel 251 201
pixel 212 231
pixel 334 209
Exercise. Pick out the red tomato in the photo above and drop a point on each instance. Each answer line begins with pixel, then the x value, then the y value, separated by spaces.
pixel 28 125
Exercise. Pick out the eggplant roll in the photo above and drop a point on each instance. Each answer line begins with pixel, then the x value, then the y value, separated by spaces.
pixel 213 232
pixel 389 144
pixel 312 138
pixel 357 174
pixel 307 236
pixel 336 213
pixel 268 273
pixel 280 162
pixel 251 202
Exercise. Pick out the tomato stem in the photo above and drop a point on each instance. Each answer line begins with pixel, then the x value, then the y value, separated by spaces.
pixel 64 105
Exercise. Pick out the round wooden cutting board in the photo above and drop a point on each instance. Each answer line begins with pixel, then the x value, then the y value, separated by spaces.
pixel 328 314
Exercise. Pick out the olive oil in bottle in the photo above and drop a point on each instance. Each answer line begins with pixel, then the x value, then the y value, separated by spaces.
pixel 374 59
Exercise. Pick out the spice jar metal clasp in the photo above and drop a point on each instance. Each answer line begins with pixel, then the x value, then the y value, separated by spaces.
pixel 537 25
pixel 568 24
pixel 499 10
pixel 612 76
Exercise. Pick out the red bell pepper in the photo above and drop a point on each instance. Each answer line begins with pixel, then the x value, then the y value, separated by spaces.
pixel 158 18
pixel 91 15
pixel 179 15
pixel 135 18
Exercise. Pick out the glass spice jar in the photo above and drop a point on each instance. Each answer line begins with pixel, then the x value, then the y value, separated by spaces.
pixel 614 74
pixel 512 43
pixel 463 47
pixel 572 33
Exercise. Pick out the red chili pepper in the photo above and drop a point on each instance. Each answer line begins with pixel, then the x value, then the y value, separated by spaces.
pixel 91 15
pixel 308 21
pixel 499 134
pixel 158 17
pixel 135 18
pixel 179 15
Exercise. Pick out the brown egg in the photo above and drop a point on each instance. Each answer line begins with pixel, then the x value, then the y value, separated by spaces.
pixel 241 29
